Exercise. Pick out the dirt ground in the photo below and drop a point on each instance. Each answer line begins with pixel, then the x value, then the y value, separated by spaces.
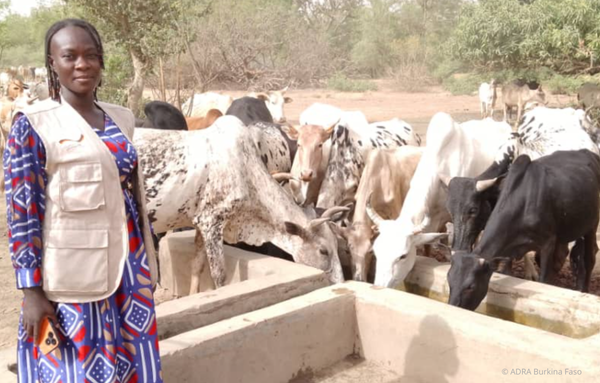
pixel 415 108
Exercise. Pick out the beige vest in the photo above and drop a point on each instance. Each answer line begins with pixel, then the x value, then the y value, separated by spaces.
pixel 85 237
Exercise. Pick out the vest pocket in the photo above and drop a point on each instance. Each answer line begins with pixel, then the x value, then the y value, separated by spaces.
pixel 76 261
pixel 81 186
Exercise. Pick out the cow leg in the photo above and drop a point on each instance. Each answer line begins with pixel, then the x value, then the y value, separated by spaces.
pixel 198 264
pixel 531 273
pixel 587 263
pixel 482 109
pixel 519 113
pixel 213 243
pixel 505 111
pixel 549 253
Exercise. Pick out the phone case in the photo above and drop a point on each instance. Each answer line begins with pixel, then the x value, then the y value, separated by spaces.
pixel 48 337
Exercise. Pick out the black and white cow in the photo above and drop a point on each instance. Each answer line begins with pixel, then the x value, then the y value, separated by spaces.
pixel 544 205
pixel 253 111
pixel 214 180
pixel 542 131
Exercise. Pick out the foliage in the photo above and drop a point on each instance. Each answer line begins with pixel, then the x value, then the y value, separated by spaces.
pixel 560 84
pixel 342 83
pixel 22 38
pixel 117 71
pixel 563 35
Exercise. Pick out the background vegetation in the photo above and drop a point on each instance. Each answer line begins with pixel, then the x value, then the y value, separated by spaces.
pixel 191 45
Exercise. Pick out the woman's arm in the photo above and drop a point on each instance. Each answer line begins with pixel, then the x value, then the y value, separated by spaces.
pixel 25 182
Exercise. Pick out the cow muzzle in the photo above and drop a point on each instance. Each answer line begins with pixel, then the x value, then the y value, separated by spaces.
pixel 306 175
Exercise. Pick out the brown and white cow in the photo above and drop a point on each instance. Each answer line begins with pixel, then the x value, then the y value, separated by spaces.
pixel 384 183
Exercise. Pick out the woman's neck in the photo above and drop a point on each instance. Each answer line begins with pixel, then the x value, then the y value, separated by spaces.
pixel 81 103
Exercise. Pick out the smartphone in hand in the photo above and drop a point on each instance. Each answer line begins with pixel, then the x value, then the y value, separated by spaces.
pixel 47 337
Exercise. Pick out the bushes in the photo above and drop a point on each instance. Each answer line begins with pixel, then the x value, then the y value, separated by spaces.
pixel 342 83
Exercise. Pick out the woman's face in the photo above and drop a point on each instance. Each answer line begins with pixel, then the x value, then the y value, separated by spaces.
pixel 76 60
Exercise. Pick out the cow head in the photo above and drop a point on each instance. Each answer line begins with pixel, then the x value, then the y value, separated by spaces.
pixel 469 206
pixel 275 99
pixel 359 238
pixel 319 244
pixel 15 89
pixel 310 148
pixel 395 248
pixel 469 279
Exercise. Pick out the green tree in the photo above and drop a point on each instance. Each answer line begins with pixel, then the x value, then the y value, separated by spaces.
pixel 563 35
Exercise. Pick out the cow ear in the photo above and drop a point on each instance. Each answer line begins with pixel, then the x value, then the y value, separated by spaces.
pixel 295 229
pixel 262 96
pixel 287 100
pixel 290 131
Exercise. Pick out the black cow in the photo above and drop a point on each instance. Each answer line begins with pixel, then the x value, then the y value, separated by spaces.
pixel 162 115
pixel 544 205
pixel 470 203
pixel 249 110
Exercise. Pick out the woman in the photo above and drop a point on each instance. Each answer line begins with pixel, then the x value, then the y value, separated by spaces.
pixel 79 234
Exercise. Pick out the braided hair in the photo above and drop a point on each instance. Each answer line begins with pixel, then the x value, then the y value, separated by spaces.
pixel 53 83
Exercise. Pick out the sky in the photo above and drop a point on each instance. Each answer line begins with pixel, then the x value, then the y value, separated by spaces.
pixel 23 7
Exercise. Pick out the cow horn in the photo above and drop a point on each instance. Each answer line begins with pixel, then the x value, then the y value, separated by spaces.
pixel 283 176
pixel 333 211
pixel 316 222
pixel 445 179
pixel 485 184
pixel 376 218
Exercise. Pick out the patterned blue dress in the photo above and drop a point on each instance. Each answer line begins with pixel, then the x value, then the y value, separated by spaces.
pixel 112 340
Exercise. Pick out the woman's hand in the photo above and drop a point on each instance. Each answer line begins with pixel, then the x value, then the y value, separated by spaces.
pixel 35 308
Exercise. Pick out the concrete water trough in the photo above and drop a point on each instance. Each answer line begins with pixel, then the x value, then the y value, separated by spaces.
pixel 354 332
pixel 550 308
pixel 253 281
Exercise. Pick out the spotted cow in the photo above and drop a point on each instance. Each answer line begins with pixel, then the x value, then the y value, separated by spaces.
pixel 214 180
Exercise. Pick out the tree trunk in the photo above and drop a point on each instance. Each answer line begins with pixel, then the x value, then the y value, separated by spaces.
pixel 179 81
pixel 163 90
pixel 136 89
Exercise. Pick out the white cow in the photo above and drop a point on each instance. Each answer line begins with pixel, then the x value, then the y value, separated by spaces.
pixel 274 100
pixel 452 149
pixel 214 180
pixel 487 98
pixel 203 102
pixel 41 74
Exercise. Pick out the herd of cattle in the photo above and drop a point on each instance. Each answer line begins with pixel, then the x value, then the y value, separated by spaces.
pixel 335 190
pixel 20 86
